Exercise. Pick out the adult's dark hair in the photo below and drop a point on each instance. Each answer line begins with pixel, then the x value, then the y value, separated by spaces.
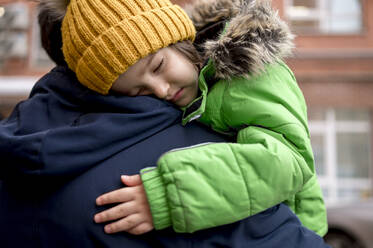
pixel 50 34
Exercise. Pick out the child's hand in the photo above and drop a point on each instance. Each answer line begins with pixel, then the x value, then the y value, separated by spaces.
pixel 132 214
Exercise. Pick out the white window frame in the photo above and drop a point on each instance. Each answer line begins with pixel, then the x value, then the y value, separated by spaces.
pixel 329 180
pixel 13 31
pixel 14 86
pixel 320 13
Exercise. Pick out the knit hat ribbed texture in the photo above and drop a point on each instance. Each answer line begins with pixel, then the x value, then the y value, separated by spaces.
pixel 102 38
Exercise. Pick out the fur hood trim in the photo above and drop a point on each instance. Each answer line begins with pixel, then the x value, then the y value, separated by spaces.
pixel 57 8
pixel 255 35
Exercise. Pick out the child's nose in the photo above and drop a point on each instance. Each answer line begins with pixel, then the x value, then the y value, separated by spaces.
pixel 161 89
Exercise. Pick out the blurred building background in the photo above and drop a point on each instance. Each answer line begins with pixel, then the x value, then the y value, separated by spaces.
pixel 333 63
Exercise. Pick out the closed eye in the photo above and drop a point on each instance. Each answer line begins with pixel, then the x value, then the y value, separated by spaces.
pixel 159 66
pixel 140 91
pixel 143 91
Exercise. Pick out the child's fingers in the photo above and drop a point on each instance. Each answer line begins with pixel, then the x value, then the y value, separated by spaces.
pixel 131 180
pixel 141 228
pixel 119 195
pixel 117 212
pixel 124 224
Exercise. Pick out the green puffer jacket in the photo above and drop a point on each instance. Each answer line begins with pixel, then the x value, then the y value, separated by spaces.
pixel 215 184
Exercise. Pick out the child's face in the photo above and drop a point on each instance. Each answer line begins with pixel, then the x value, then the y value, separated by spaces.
pixel 166 74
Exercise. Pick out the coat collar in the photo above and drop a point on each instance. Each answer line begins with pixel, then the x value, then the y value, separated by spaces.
pixel 196 108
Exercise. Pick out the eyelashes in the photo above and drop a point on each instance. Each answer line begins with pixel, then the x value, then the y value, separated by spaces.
pixel 141 90
pixel 159 66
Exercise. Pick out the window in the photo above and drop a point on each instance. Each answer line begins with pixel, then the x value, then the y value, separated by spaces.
pixel 13 31
pixel 14 42
pixel 341 142
pixel 325 16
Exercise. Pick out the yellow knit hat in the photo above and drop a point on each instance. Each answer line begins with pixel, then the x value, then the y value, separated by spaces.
pixel 102 38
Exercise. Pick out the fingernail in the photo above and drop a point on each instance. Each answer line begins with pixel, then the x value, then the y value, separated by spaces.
pixel 97 218
pixel 107 229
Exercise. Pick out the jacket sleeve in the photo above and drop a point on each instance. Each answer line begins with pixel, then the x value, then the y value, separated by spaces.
pixel 191 187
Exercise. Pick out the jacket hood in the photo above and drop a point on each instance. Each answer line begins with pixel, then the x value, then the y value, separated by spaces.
pixel 56 8
pixel 254 35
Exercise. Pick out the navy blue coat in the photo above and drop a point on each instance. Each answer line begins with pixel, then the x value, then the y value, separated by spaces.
pixel 66 145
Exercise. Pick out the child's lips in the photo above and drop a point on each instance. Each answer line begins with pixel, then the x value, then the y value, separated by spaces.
pixel 177 95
